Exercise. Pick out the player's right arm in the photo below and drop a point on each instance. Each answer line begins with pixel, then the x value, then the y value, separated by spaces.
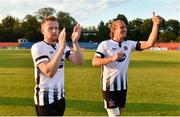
pixel 99 61
pixel 49 68
pixel 157 20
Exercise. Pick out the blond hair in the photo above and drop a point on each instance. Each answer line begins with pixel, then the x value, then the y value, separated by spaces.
pixel 113 26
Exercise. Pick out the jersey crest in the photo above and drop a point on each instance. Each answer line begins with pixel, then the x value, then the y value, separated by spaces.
pixel 122 58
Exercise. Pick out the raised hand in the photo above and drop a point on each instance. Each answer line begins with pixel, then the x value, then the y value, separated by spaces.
pixel 62 38
pixel 156 19
pixel 76 33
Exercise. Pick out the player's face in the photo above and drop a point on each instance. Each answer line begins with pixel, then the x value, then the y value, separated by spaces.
pixel 120 31
pixel 50 29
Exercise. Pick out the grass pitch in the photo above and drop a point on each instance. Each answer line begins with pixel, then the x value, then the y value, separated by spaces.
pixel 153 88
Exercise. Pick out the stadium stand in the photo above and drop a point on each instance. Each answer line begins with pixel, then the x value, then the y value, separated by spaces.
pixel 9 44
pixel 168 46
pixel 86 45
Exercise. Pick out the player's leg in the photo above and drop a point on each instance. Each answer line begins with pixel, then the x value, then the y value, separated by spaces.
pixel 121 100
pixel 60 106
pixel 110 103
pixel 41 110
pixel 57 108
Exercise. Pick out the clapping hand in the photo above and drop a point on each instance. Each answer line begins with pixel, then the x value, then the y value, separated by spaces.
pixel 76 33
pixel 62 38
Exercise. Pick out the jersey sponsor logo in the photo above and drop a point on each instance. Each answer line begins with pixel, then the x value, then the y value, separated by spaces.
pixel 125 48
pixel 111 103
pixel 51 52
pixel 113 48
pixel 122 58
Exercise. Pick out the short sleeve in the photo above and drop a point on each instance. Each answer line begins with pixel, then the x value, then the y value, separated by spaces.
pixel 38 54
pixel 132 44
pixel 100 52
pixel 67 52
pixel 138 46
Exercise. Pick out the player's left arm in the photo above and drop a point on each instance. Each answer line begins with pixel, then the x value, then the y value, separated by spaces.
pixel 154 33
pixel 76 56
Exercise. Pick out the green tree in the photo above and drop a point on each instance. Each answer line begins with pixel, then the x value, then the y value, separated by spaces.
pixel 178 39
pixel 10 29
pixel 31 29
pixel 1 32
pixel 146 28
pixel 122 17
pixel 134 29
pixel 44 12
pixel 65 20
pixel 167 37
pixel 170 31
pixel 103 31
pixel 173 26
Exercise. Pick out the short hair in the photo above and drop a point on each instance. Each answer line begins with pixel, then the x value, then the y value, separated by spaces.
pixel 48 18
pixel 113 26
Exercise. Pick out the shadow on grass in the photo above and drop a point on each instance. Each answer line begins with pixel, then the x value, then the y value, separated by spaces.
pixel 148 107
pixel 92 106
pixel 8 74
pixel 152 64
pixel 27 63
pixel 83 105
pixel 14 62
pixel 16 101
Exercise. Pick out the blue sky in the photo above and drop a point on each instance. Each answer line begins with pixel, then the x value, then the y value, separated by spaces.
pixel 91 12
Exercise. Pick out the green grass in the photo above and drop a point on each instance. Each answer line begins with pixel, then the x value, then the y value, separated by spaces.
pixel 153 89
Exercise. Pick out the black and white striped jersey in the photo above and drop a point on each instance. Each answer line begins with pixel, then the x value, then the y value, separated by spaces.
pixel 48 90
pixel 114 74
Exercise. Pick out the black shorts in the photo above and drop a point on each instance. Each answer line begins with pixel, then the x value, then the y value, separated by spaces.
pixel 114 99
pixel 55 109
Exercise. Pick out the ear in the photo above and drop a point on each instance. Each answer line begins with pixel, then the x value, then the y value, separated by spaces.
pixel 42 31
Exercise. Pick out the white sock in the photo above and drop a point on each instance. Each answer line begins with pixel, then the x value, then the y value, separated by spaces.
pixel 113 112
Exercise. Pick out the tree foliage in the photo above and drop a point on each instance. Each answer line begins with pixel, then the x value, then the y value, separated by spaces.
pixel 170 32
pixel 134 29
pixel 103 32
pixel 65 20
pixel 145 29
pixel 122 17
pixel 31 28
pixel 138 29
pixel 10 29
pixel 44 12
pixel 167 37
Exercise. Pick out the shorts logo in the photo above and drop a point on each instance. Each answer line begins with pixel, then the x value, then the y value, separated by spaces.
pixel 111 103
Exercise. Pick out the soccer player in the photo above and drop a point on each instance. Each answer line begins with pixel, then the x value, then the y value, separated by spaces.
pixel 114 55
pixel 48 57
